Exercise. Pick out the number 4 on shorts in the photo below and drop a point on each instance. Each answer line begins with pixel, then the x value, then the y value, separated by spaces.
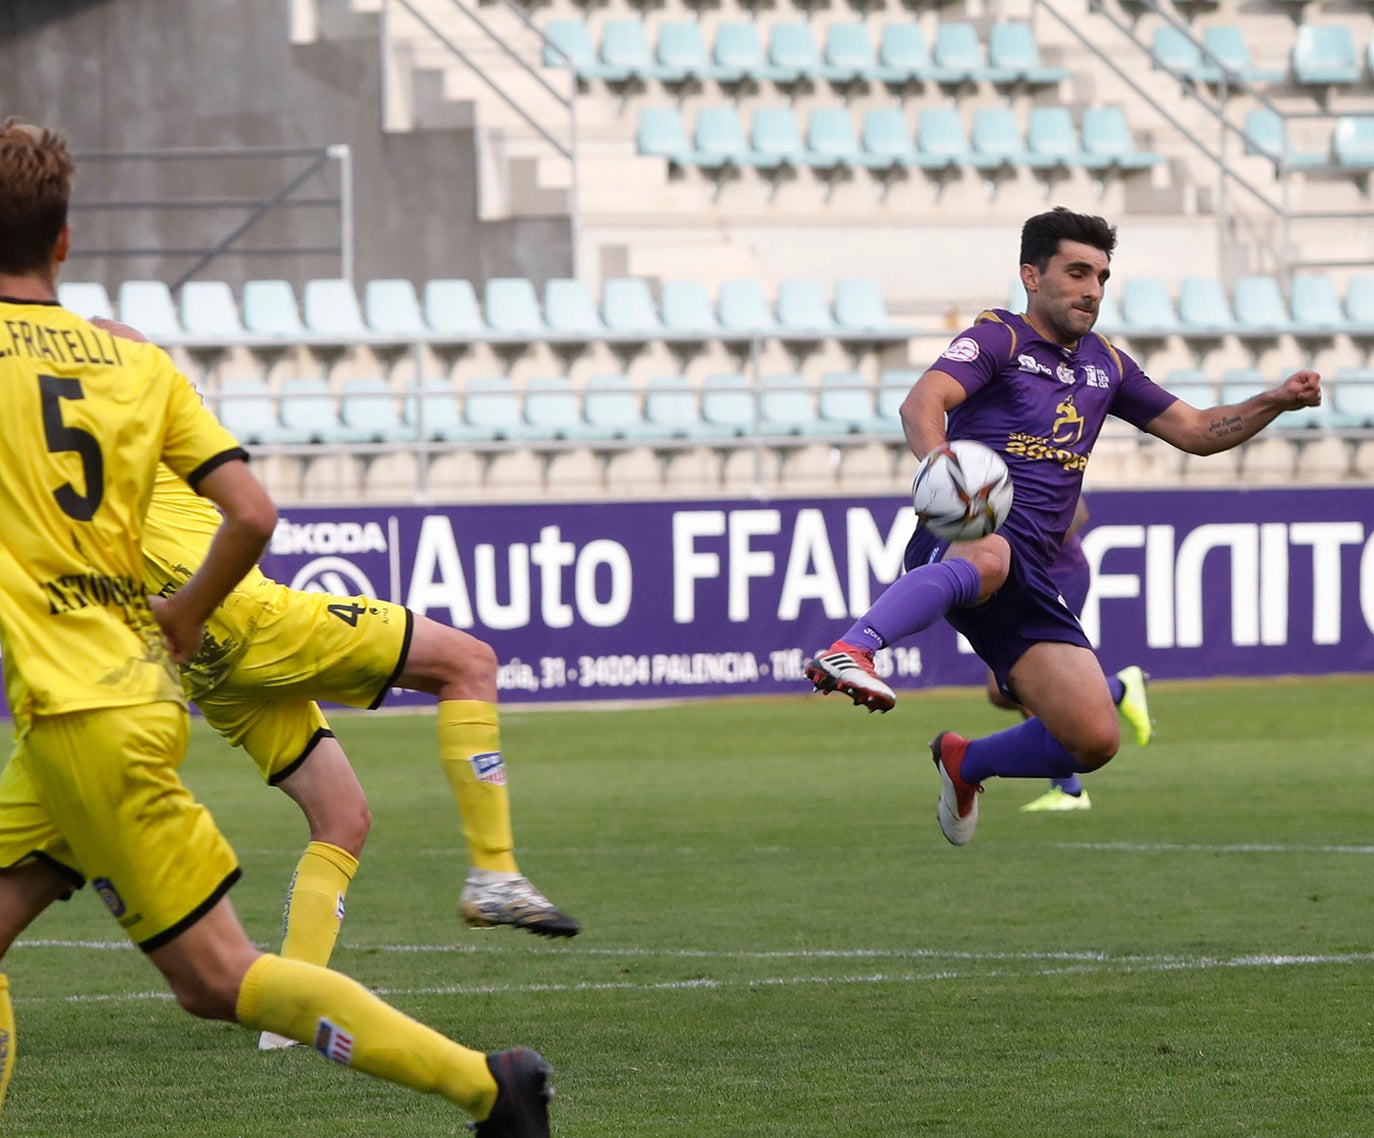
pixel 349 613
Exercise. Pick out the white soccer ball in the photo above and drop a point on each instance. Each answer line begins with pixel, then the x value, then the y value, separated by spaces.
pixel 962 491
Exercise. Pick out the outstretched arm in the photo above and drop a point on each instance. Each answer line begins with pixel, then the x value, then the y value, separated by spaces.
pixel 1217 429
pixel 923 411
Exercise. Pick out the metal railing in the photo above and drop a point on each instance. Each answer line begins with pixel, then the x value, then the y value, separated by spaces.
pixel 255 208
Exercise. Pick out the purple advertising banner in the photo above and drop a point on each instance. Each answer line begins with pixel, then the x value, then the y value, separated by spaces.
pixel 653 600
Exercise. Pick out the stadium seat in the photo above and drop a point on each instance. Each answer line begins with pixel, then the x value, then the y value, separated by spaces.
pixel 391 308
pixel 1230 58
pixel 451 309
pixel 369 413
pixel 491 409
pixel 682 52
pixel 720 139
pixel 570 310
pixel 662 134
pixel 940 139
pixel 738 52
pixel 1352 142
pixel 570 45
pixel 1324 55
pixel 625 52
pixel 610 407
pixel 903 56
pixel 1193 387
pixel 848 54
pixel 743 307
pixel 1359 301
pixel 803 309
pixel 1014 56
pixel 1051 140
pixel 1109 320
pixel 958 55
pixel 269 309
pixel 209 311
pixel 996 139
pixel 1352 398
pixel 553 410
pixel 308 413
pixel 859 306
pixel 728 406
pixel 785 407
pixel 792 53
pixel 686 310
pixel 776 139
pixel 512 308
pixel 248 411
pixel 887 140
pixel 893 388
pixel 1107 142
pixel 627 308
pixel 1203 309
pixel 1266 133
pixel 331 310
pixel 831 142
pixel 1315 307
pixel 846 404
pixel 87 299
pixel 1175 51
pixel 670 409
pixel 435 414
pixel 1146 308
pixel 1239 384
pixel 1259 307
pixel 147 306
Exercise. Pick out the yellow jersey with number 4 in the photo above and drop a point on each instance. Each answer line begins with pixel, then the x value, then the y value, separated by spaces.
pixel 84 422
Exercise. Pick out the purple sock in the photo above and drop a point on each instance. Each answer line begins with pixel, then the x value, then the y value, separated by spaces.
pixel 1024 751
pixel 1117 688
pixel 914 601
pixel 1069 785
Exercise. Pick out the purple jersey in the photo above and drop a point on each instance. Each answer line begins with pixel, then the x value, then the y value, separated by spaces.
pixel 1041 406
pixel 1071 574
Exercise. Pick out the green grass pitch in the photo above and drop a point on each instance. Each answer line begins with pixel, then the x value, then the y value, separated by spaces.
pixel 778 942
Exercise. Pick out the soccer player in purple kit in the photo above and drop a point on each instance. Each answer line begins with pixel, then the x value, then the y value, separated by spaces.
pixel 1036 389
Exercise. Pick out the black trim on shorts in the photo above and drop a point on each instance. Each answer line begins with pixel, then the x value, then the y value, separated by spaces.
pixel 72 877
pixel 291 768
pixel 210 465
pixel 169 935
pixel 400 664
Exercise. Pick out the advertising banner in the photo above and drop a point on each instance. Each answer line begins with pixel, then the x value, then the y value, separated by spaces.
pixel 654 600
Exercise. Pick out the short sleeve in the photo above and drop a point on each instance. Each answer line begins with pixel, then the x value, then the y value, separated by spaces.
pixel 976 355
pixel 195 442
pixel 1138 398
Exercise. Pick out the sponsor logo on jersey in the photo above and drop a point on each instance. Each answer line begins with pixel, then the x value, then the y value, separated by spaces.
pixel 964 350
pixel 1094 376
pixel 1064 373
pixel 106 891
pixel 334 1043
pixel 489 767
pixel 1068 424
pixel 1032 365
pixel 333 575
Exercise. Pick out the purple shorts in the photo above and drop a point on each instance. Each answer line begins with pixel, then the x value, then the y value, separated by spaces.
pixel 1026 610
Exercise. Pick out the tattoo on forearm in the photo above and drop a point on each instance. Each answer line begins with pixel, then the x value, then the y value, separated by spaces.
pixel 1224 427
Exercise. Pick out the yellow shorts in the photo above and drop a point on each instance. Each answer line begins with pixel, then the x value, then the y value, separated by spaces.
pixel 306 647
pixel 95 795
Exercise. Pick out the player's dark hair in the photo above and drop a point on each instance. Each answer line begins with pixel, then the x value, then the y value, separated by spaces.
pixel 1041 234
pixel 35 186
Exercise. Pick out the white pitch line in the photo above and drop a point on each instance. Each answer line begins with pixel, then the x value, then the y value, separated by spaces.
pixel 1185 847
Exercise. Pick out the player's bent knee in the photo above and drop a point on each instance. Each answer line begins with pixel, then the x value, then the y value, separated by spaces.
pixel 1096 749
pixel 207 997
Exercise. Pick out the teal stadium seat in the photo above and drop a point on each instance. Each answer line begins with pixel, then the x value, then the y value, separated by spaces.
pixel 611 408
pixel 391 308
pixel 958 55
pixel 553 410
pixel 1359 302
pixel 1259 307
pixel 1352 142
pixel 452 311
pixel 738 51
pixel 435 414
pixel 940 139
pixel 776 139
pixel 1230 51
pixel 670 409
pixel 87 299
pixel 1147 310
pixel 831 142
pixel 1108 144
pixel 331 310
pixel 248 411
pixel 308 412
pixel 148 306
pixel 728 408
pixel 848 54
pixel 628 309
pixel 1052 141
pixel 1240 383
pixel 370 413
pixel 569 44
pixel 903 56
pixel 786 408
pixel 1193 386
pixel 492 411
pixel 1014 57
pixel 803 309
pixel 887 140
pixel 661 134
pixel 1266 133
pixel 792 53
pixel 511 309
pixel 269 309
pixel 1316 308
pixel 847 405
pixel 1352 398
pixel 720 139
pixel 1203 310
pixel 625 52
pixel 210 312
pixel 1175 51
pixel 859 306
pixel 997 141
pixel 1324 56
pixel 686 310
pixel 893 388
pixel 743 308
pixel 570 310
pixel 1109 321
pixel 682 53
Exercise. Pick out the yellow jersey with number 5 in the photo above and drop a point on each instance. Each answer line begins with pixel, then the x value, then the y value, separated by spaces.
pixel 84 422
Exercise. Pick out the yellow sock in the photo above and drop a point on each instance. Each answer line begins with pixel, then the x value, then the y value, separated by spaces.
pixel 315 903
pixel 470 748
pixel 348 1024
pixel 6 1036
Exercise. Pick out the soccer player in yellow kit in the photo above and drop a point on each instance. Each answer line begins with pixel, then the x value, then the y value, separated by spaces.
pixel 270 652
pixel 91 790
